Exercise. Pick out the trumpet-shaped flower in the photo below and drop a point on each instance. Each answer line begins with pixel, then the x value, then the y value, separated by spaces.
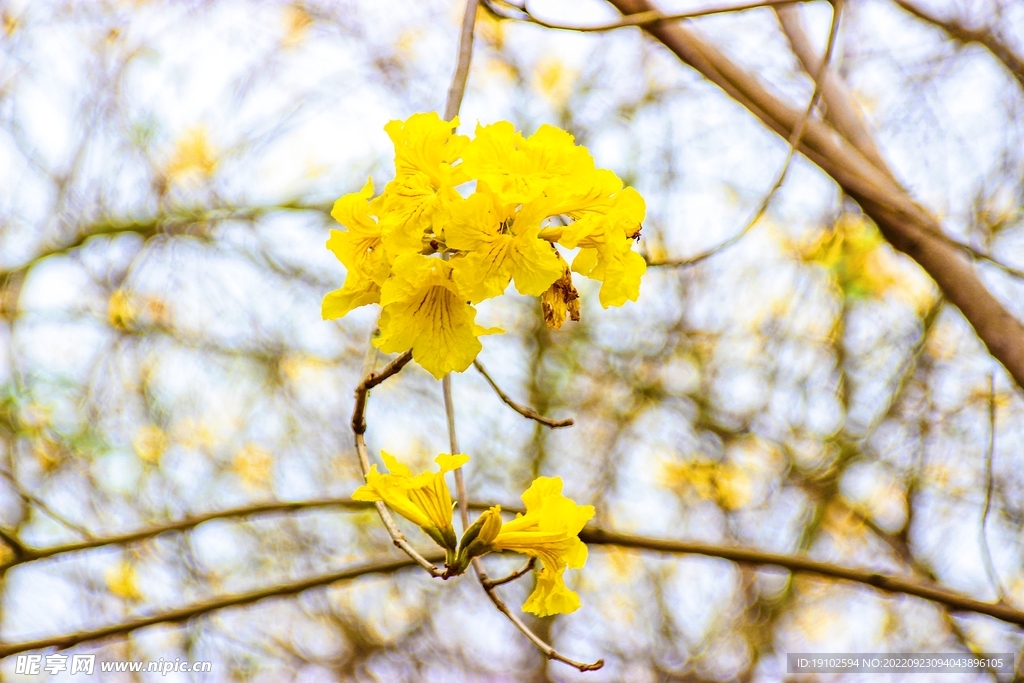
pixel 501 244
pixel 520 169
pixel 423 499
pixel 359 249
pixel 417 201
pixel 548 531
pixel 424 309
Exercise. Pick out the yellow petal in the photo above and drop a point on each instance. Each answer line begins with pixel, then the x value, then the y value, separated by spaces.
pixel 339 302
pixel 451 462
pixel 426 311
pixel 551 596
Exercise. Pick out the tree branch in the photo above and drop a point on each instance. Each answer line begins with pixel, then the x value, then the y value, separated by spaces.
pixel 804 565
pixel 528 413
pixel 908 227
pixel 793 141
pixel 958 31
pixel 186 613
pixel 640 19
pixel 594 535
pixel 358 422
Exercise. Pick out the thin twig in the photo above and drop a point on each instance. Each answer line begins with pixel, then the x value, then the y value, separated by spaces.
pixel 20 550
pixel 962 33
pixel 640 19
pixel 370 381
pixel 457 89
pixel 186 613
pixel 986 554
pixel 359 429
pixel 43 507
pixel 794 144
pixel 528 413
pixel 522 571
pixel 451 109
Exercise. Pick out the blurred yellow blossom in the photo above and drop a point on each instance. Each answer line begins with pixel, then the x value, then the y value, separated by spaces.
pixel 122 581
pixel 150 442
pixel 193 157
pixel 253 465
pixel 722 482
pixel 121 310
pixel 554 80
pixel 864 266
pixel 296 25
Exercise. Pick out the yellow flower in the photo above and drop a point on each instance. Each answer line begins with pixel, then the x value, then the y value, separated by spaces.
pixel 360 250
pixel 520 169
pixel 424 309
pixel 548 531
pixel 418 199
pixel 501 244
pixel 423 499
pixel 193 158
pixel 605 219
pixel 122 581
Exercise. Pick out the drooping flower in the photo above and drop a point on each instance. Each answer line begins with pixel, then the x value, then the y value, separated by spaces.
pixel 548 531
pixel 501 243
pixel 360 249
pixel 425 309
pixel 423 499
pixel 605 218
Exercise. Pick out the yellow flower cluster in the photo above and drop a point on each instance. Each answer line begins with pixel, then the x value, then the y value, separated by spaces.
pixel 548 531
pixel 427 254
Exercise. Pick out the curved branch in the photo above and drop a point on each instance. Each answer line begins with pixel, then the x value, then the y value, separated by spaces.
pixel 362 394
pixel 649 18
pixel 804 565
pixel 904 223
pixel 793 141
pixel 958 31
pixel 528 413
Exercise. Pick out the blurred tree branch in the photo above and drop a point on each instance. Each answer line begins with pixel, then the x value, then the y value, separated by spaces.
pixel 183 614
pixel 987 37
pixel 908 226
pixel 590 534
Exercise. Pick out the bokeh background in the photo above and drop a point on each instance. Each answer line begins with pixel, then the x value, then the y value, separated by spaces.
pixel 167 169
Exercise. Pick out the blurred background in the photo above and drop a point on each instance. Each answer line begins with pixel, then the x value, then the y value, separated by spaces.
pixel 167 169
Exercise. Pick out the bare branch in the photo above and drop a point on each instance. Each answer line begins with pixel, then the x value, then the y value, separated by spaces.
pixel 986 554
pixel 458 86
pixel 649 18
pixel 986 37
pixel 362 394
pixel 794 143
pixel 528 413
pixel 184 614
pixel 908 227
pixel 370 381
pixel 519 573
pixel 804 565
pixel 43 507
pixel 594 535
